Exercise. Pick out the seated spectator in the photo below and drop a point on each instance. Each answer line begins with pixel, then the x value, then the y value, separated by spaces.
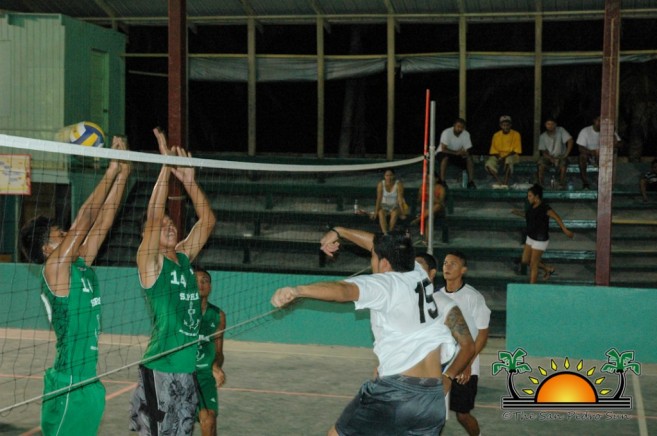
pixel 648 181
pixel 454 145
pixel 588 144
pixel 439 194
pixel 555 145
pixel 505 148
pixel 390 203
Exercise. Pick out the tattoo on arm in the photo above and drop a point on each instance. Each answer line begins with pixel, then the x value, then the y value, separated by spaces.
pixel 457 325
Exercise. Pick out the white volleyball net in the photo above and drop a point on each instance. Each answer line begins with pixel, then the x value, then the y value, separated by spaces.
pixel 270 218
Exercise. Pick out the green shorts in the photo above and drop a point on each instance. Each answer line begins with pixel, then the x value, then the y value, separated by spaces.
pixel 207 396
pixel 70 411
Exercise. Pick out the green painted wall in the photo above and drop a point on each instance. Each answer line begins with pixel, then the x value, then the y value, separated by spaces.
pixel 243 296
pixel 581 321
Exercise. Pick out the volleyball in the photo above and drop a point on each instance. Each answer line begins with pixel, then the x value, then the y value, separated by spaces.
pixel 83 133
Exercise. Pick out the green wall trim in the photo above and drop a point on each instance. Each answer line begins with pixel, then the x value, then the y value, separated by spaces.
pixel 244 296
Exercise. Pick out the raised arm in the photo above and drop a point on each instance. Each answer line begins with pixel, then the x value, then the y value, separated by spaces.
pixel 57 265
pixel 148 254
pixel 330 242
pixel 102 225
pixel 325 291
pixel 202 230
pixel 552 214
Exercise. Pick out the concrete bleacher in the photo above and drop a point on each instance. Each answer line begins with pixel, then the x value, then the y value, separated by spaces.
pixel 273 225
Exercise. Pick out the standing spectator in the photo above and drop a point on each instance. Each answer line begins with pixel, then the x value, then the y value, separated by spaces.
pixel 648 181
pixel 390 203
pixel 555 145
pixel 505 148
pixel 454 145
pixel 210 355
pixel 169 284
pixel 588 144
pixel 477 317
pixel 537 216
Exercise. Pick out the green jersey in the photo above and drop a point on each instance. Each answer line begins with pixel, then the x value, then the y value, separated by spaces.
pixel 76 321
pixel 176 314
pixel 206 349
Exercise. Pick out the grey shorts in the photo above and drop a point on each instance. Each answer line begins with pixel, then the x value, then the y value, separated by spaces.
pixel 395 405
pixel 164 403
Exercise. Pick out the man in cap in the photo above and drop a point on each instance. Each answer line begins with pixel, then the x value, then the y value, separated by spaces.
pixel 505 148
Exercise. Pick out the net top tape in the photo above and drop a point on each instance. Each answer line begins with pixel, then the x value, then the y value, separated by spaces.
pixel 136 156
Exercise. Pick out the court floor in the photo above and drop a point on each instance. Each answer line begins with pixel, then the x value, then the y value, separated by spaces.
pixel 301 389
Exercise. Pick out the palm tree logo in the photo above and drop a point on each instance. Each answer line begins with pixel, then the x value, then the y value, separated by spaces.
pixel 620 363
pixel 513 364
pixel 569 388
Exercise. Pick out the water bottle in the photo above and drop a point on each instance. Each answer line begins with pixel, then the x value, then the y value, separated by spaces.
pixel 464 179
pixel 553 183
pixel 356 206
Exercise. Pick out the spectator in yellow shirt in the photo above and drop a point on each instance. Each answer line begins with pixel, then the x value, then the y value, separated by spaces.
pixel 506 148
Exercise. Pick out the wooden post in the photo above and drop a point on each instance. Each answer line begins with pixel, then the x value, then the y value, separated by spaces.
pixel 252 80
pixel 177 92
pixel 390 131
pixel 319 29
pixel 608 112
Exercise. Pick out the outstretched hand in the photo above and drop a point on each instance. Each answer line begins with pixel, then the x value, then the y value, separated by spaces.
pixel 118 143
pixel 162 143
pixel 330 243
pixel 184 174
pixel 284 296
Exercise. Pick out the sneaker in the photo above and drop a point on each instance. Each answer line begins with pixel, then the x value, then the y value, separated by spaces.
pixel 471 185
pixel 586 187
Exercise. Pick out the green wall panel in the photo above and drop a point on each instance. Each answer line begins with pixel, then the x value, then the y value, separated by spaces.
pixel 581 321
pixel 244 296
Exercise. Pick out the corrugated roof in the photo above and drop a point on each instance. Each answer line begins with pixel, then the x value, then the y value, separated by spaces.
pixel 154 12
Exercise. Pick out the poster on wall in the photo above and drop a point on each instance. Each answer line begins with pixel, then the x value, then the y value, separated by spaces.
pixel 15 174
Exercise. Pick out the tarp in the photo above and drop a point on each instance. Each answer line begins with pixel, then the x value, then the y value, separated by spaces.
pixel 304 69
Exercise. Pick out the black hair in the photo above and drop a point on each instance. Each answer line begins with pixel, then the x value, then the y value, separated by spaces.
pixel 460 121
pixel 460 255
pixel 550 119
pixel 202 270
pixel 654 161
pixel 396 248
pixel 429 259
pixel 34 235
pixel 537 190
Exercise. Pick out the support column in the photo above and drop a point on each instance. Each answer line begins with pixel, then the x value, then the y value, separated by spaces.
pixel 321 73
pixel 392 64
pixel 538 76
pixel 608 111
pixel 251 86
pixel 177 93
pixel 463 65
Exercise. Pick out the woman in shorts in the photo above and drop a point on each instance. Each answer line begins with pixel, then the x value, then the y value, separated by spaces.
pixel 538 214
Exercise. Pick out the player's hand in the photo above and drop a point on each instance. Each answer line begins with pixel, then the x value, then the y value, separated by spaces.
pixel 464 377
pixel 219 376
pixel 284 296
pixel 329 243
pixel 119 143
pixel 184 174
pixel 570 234
pixel 162 143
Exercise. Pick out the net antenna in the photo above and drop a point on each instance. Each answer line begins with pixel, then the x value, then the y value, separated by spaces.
pixel 432 184
pixel 424 164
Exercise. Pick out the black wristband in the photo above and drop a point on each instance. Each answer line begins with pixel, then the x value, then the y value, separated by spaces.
pixel 332 229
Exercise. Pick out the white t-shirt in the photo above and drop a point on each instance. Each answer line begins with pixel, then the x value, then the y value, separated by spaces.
pixel 403 317
pixel 389 199
pixel 555 145
pixel 475 312
pixel 454 143
pixel 589 138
